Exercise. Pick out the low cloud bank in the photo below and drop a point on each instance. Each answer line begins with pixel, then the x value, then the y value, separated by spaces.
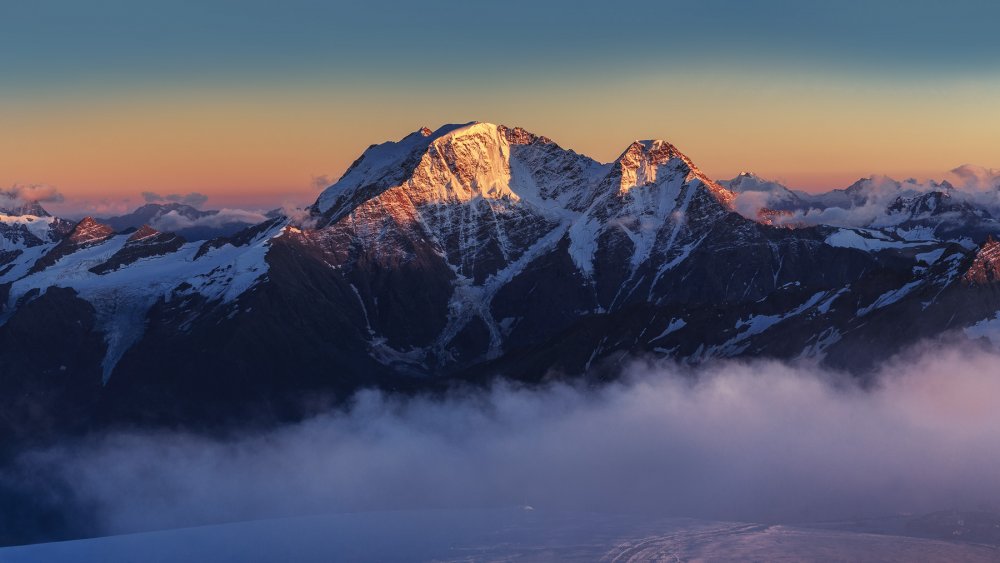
pixel 881 192
pixel 758 440
pixel 20 195
pixel 976 178
pixel 174 221
pixel 194 199
pixel 322 181
pixel 873 207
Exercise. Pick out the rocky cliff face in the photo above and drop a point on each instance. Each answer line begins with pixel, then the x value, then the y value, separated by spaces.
pixel 985 268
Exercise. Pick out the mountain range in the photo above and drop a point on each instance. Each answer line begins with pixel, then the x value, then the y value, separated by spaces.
pixel 185 220
pixel 472 252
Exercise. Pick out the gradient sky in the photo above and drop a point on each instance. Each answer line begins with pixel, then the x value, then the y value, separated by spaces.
pixel 248 101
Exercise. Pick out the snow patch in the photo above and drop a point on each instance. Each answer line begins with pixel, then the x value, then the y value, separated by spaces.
pixel 890 297
pixel 674 326
pixel 123 297
pixel 867 240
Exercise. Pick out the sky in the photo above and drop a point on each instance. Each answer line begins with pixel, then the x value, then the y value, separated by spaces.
pixel 256 103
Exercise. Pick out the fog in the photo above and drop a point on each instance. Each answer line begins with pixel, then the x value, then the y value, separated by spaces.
pixel 194 199
pixel 173 221
pixel 968 184
pixel 758 440
pixel 26 194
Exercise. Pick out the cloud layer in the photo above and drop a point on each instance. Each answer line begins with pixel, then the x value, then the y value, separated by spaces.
pixel 26 194
pixel 174 221
pixel 752 441
pixel 194 199
pixel 870 203
pixel 977 178
pixel 322 181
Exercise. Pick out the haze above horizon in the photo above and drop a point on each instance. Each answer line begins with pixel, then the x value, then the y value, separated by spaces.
pixel 256 105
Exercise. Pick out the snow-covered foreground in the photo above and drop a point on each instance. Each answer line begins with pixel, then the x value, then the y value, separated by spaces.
pixel 498 535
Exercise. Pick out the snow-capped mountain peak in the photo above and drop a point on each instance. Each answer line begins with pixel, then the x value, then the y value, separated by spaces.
pixel 379 167
pixel 643 160
pixel 751 182
pixel 31 208
pixel 649 162
pixel 459 164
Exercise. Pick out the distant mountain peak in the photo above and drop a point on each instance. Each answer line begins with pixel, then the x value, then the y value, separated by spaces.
pixel 86 233
pixel 143 232
pixel 89 230
pixel 31 208
pixel 188 221
pixel 750 181
pixel 157 209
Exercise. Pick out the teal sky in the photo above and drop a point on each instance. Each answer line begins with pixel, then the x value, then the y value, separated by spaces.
pixel 52 43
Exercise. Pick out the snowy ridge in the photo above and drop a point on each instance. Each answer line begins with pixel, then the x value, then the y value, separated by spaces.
pixel 31 228
pixel 122 297
pixel 908 209
pixel 378 167
pixel 26 237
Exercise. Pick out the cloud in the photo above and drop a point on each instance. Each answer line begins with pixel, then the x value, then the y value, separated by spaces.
pixel 77 208
pixel 321 182
pixel 976 178
pixel 173 221
pixel 749 203
pixel 298 216
pixel 869 205
pixel 758 441
pixel 879 193
pixel 194 199
pixel 25 194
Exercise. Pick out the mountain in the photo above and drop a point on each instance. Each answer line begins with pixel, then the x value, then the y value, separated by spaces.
pixel 17 209
pixel 941 215
pixel 458 255
pixel 910 209
pixel 27 232
pixel 776 196
pixel 184 220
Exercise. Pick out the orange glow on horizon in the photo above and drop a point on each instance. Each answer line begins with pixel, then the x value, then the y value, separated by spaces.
pixel 268 145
